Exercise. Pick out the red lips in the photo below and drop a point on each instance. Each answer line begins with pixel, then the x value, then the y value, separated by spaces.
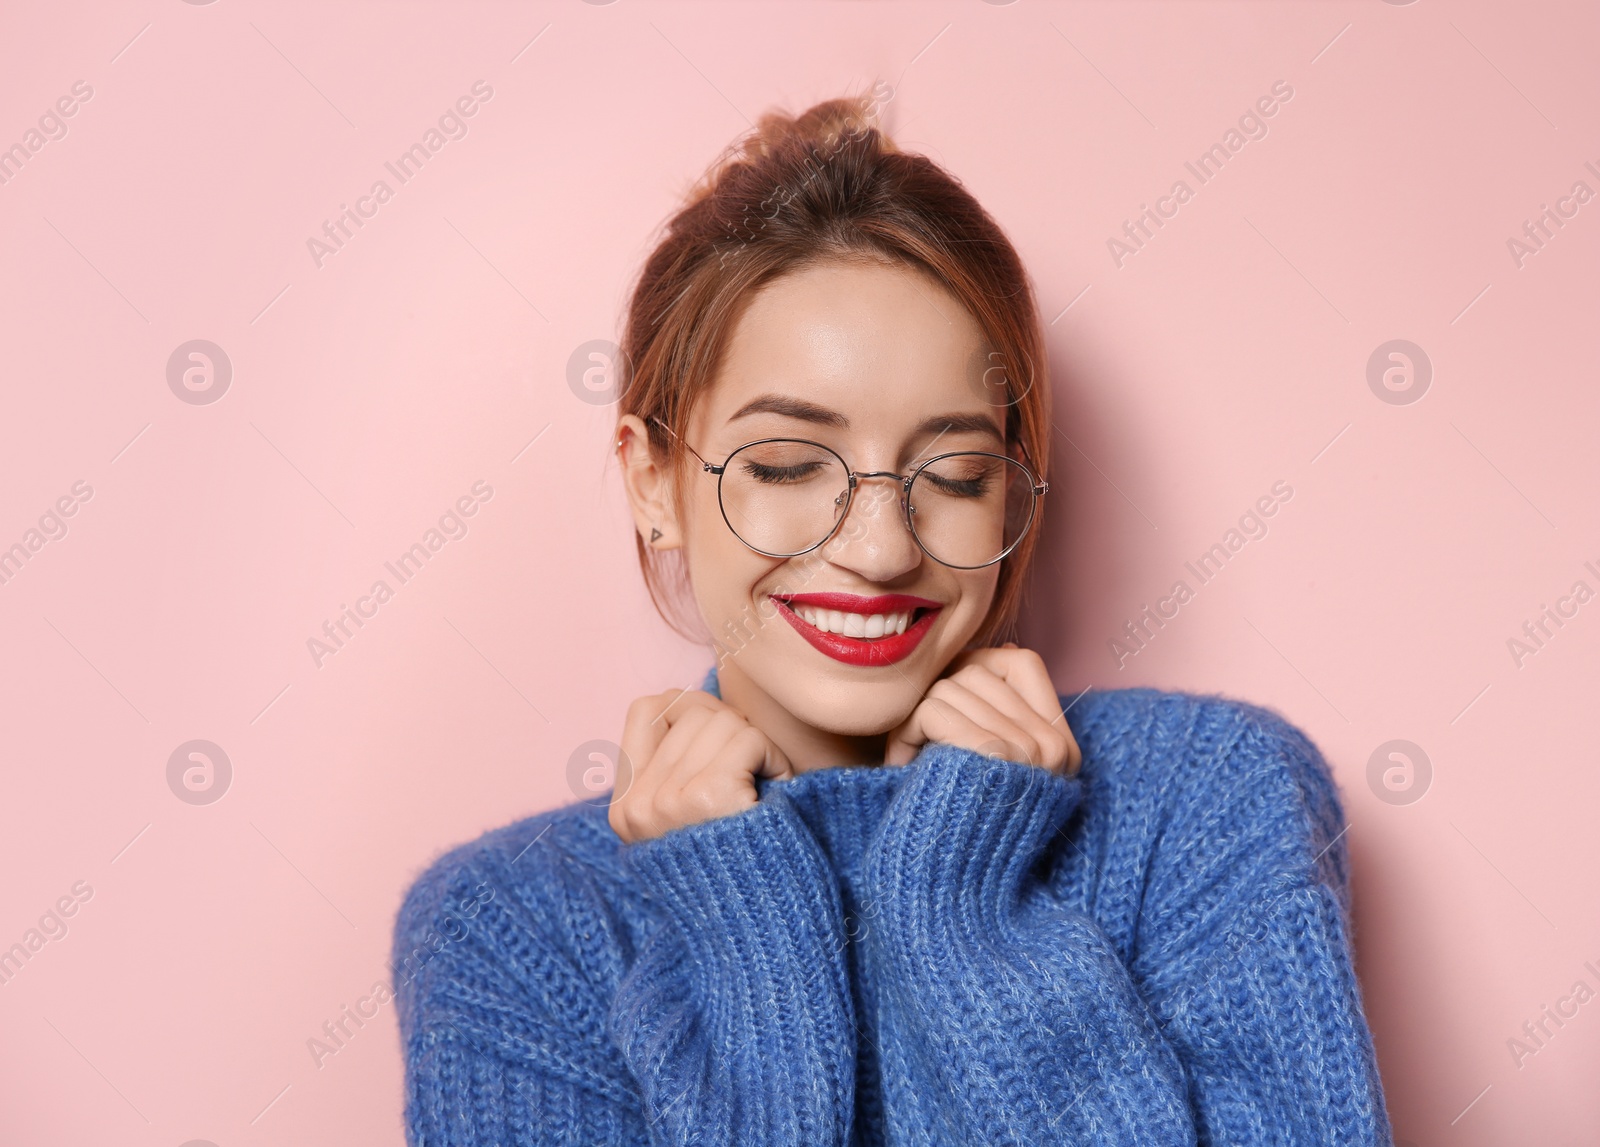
pixel 884 650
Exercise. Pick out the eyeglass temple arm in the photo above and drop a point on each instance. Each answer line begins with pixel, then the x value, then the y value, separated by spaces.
pixel 1040 487
pixel 710 469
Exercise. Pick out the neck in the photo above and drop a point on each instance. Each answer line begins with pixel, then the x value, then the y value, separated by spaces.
pixel 806 746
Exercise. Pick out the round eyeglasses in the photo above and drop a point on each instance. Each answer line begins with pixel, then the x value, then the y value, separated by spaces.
pixel 784 497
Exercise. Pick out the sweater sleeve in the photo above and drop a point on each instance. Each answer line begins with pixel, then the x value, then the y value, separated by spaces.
pixel 1016 1021
pixel 529 1020
pixel 501 1004
pixel 1244 941
pixel 1233 992
pixel 737 1018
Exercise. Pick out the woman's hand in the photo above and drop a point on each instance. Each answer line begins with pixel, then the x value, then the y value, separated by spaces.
pixel 999 702
pixel 686 758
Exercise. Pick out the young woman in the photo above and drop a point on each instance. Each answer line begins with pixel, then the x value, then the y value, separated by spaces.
pixel 876 881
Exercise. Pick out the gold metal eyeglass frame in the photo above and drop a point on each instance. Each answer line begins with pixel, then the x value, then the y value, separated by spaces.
pixel 853 476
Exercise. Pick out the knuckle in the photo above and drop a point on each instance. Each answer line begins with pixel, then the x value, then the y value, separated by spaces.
pixel 703 802
pixel 966 677
pixel 669 808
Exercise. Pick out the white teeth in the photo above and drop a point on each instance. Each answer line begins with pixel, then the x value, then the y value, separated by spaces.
pixel 859 625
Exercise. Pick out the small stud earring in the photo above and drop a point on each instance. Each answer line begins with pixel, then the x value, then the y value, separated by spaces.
pixel 654 534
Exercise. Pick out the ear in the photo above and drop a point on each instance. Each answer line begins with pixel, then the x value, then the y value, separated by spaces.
pixel 651 491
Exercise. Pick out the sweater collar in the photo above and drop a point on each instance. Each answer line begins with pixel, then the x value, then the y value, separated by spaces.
pixel 842 805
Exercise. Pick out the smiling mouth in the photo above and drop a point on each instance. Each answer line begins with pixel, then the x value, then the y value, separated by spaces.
pixel 859 630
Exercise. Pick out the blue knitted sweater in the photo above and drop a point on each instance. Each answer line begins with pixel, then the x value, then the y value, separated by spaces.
pixel 962 950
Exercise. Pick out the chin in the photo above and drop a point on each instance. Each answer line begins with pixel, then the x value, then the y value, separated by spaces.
pixel 853 711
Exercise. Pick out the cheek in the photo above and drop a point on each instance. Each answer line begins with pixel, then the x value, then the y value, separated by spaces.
pixel 978 588
pixel 722 571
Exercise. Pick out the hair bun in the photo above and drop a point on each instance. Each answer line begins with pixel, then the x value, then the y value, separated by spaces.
pixel 825 125
pixel 820 130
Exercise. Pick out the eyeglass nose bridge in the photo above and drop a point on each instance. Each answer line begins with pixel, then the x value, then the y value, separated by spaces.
pixel 845 499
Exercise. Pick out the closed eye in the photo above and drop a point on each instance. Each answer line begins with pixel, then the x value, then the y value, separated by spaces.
pixel 781 475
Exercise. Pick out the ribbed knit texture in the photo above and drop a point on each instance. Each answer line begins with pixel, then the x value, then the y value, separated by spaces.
pixel 958 951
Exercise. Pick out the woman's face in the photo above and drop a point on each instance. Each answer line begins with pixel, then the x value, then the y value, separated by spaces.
pixel 884 366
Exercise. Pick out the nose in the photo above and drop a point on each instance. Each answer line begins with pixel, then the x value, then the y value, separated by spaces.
pixel 874 541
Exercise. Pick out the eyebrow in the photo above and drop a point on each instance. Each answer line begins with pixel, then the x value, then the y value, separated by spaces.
pixel 955 422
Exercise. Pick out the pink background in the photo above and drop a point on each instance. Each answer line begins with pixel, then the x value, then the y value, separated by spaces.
pixel 371 393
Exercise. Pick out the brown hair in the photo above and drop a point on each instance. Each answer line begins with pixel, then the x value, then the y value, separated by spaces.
pixel 825 186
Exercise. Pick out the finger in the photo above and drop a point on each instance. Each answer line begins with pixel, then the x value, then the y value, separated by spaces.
pixel 642 803
pixel 994 689
pixel 751 750
pixel 901 745
pixel 726 784
pixel 925 724
pixel 932 720
pixel 681 734
pixel 688 710
pixel 1055 741
pixel 699 744
pixel 685 701
pixel 775 763
pixel 730 741
pixel 938 718
pixel 1025 671
pixel 999 732
pixel 642 731
pixel 650 718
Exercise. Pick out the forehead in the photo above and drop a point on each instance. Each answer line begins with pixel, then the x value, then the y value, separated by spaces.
pixel 878 342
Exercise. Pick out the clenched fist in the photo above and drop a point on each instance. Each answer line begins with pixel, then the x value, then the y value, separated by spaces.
pixel 999 702
pixel 687 758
